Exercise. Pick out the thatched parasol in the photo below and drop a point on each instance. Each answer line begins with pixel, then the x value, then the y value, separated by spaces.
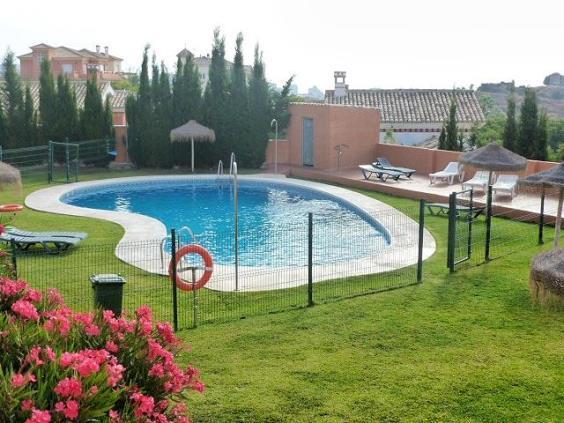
pixel 494 158
pixel 9 176
pixel 546 280
pixel 192 131
pixel 551 178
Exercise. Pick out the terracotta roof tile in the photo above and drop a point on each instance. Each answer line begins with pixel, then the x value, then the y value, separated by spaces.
pixel 413 105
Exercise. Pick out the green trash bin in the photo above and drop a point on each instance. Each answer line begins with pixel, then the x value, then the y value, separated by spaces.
pixel 108 291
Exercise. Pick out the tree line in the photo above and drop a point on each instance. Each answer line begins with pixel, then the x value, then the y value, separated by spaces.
pixel 238 110
pixel 57 117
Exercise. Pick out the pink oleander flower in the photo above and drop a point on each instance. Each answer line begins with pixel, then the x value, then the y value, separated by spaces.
pixel 144 404
pixel 27 405
pixel 144 312
pixel 69 409
pixel 69 388
pixel 54 297
pixel 112 347
pixel 157 370
pixel 114 417
pixel 2 228
pixel 18 380
pixel 33 295
pixel 115 372
pixel 25 309
pixel 39 416
pixel 92 330
pixel 167 333
pixel 33 357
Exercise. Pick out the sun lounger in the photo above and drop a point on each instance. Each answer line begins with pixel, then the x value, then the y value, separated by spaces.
pixel 438 209
pixel 383 163
pixel 480 180
pixel 50 244
pixel 57 234
pixel 451 171
pixel 506 184
pixel 382 174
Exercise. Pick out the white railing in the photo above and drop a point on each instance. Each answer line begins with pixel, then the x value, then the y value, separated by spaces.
pixel 179 243
pixel 232 160
pixel 220 168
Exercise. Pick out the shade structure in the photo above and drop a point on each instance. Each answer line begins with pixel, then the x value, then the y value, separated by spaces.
pixel 10 181
pixel 495 158
pixel 553 177
pixel 192 131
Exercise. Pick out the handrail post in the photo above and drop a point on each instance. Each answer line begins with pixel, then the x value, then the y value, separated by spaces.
pixel 420 241
pixel 174 293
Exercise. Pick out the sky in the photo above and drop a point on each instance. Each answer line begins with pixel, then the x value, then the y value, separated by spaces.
pixel 380 44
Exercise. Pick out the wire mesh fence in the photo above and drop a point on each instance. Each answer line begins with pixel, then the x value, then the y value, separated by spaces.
pixel 257 272
pixel 486 226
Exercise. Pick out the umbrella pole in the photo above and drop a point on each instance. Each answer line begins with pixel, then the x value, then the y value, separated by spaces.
pixel 558 219
pixel 192 154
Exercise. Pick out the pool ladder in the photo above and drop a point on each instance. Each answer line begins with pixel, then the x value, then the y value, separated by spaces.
pixel 220 168
pixel 179 243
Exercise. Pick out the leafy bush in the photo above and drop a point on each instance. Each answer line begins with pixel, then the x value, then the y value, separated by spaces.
pixel 61 365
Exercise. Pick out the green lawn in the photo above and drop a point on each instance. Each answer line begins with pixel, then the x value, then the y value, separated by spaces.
pixel 462 347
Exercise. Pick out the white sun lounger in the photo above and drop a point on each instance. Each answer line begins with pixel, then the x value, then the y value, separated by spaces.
pixel 506 184
pixel 480 180
pixel 451 171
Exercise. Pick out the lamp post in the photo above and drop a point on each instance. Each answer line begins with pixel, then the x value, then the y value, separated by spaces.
pixel 275 123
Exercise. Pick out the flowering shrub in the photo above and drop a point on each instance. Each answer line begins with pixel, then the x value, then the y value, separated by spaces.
pixel 6 268
pixel 60 365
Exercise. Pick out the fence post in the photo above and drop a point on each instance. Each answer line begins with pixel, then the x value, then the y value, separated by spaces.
pixel 488 222
pixel 451 231
pixel 50 162
pixel 470 222
pixel 14 258
pixel 67 159
pixel 194 299
pixel 541 218
pixel 174 292
pixel 420 244
pixel 1 156
pixel 310 259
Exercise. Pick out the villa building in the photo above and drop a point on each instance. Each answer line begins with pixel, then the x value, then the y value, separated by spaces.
pixel 75 64
pixel 410 116
pixel 203 64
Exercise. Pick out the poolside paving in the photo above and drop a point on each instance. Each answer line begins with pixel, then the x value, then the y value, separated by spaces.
pixel 524 206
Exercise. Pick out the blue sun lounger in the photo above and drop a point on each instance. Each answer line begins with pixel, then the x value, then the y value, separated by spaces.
pixel 57 234
pixel 382 174
pixel 382 162
pixel 49 244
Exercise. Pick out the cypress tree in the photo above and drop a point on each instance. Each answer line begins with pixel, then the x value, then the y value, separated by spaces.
pixel 47 102
pixel 66 123
pixel 30 119
pixel 93 121
pixel 15 104
pixel 281 104
pixel 108 118
pixel 239 108
pixel 510 130
pixel 139 115
pixel 259 109
pixel 442 139
pixel 528 125
pixel 163 114
pixel 451 128
pixel 541 143
pixel 215 102
pixel 178 95
pixel 3 128
pixel 192 91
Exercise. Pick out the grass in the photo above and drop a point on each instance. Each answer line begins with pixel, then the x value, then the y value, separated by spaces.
pixel 466 346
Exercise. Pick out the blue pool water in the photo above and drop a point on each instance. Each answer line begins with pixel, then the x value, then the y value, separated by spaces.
pixel 272 218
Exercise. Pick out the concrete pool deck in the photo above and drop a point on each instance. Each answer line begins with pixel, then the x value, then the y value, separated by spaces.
pixel 145 234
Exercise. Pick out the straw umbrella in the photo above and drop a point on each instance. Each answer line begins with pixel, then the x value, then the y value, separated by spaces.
pixel 494 158
pixel 192 131
pixel 551 178
pixel 10 176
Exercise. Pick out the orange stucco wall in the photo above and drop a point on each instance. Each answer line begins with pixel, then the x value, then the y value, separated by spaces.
pixel 425 160
pixel 357 127
pixel 283 151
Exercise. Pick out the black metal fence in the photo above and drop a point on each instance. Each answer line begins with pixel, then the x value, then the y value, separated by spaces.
pixel 266 270
pixel 481 229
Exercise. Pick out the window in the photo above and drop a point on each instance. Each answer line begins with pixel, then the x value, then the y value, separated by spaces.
pixel 67 68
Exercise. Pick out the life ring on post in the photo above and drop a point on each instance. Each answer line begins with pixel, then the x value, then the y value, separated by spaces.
pixel 208 267
pixel 10 208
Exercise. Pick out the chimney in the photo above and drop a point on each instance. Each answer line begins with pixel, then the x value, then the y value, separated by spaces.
pixel 97 48
pixel 340 86
pixel 106 49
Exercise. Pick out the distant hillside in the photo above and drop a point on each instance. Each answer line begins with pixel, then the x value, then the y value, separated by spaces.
pixel 551 98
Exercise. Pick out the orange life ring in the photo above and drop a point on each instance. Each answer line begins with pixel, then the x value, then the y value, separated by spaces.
pixel 208 269
pixel 10 208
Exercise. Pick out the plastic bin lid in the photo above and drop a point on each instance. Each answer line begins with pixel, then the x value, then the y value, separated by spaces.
pixel 107 278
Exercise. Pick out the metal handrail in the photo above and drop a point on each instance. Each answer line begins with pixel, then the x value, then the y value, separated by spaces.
pixel 232 160
pixel 220 168
pixel 236 210
pixel 179 238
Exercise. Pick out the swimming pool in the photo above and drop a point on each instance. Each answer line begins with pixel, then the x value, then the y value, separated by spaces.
pixel 272 217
